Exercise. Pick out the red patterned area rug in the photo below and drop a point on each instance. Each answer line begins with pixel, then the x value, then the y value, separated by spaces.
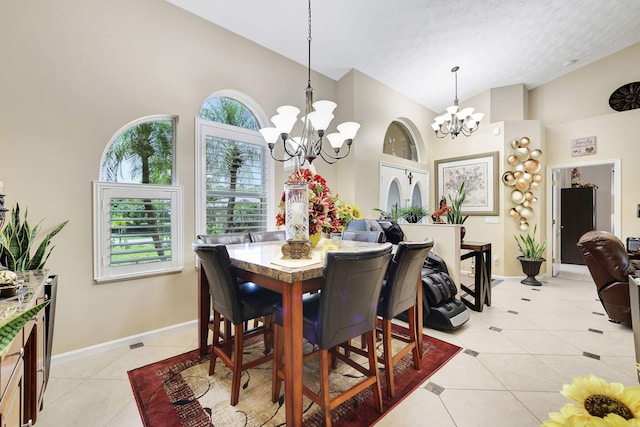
pixel 179 392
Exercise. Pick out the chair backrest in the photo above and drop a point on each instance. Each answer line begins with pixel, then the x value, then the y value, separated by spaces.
pixel 223 238
pixel 350 292
pixel 392 231
pixel 605 256
pixel 221 275
pixel 401 282
pixel 267 236
pixel 364 236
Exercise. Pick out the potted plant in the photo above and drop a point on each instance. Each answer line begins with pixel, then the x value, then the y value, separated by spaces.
pixel 454 215
pixel 18 238
pixel 413 214
pixel 532 256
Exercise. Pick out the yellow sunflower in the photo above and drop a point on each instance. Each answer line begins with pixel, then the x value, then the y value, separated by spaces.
pixel 600 398
pixel 356 212
pixel 614 420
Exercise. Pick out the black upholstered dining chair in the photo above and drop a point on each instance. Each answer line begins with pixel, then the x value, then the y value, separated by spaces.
pixel 267 236
pixel 223 239
pixel 399 293
pixel 375 236
pixel 345 308
pixel 238 303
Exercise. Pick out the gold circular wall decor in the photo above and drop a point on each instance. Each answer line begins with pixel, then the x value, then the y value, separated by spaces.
pixel 525 177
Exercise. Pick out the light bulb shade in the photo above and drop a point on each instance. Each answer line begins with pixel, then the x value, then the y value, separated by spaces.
pixel 466 112
pixel 348 129
pixel 435 126
pixel 270 135
pixel 452 110
pixel 439 120
pixel 325 106
pixel 477 117
pixel 320 119
pixel 336 139
pixel 288 110
pixel 283 123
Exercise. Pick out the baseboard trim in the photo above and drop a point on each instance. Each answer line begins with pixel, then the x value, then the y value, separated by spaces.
pixel 121 342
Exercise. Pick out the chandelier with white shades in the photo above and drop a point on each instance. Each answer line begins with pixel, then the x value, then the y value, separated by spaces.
pixel 456 121
pixel 315 121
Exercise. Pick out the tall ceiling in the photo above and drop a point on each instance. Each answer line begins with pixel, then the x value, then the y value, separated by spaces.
pixel 411 45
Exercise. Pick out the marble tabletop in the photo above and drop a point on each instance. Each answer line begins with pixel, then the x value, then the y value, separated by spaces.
pixel 25 299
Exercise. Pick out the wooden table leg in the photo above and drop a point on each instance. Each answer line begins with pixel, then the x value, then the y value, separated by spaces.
pixel 292 331
pixel 204 310
pixel 419 315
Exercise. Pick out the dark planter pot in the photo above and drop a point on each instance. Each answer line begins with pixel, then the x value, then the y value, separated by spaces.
pixel 531 267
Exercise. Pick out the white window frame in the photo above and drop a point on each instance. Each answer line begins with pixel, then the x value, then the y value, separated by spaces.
pixel 103 192
pixel 206 128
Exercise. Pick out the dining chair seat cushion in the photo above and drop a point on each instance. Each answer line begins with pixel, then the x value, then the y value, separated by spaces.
pixel 257 301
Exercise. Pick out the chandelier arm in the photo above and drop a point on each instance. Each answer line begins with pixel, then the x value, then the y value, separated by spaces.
pixel 278 160
pixel 327 154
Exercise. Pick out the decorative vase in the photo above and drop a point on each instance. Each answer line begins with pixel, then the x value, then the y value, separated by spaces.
pixel 463 231
pixel 296 211
pixel 531 267
pixel 314 239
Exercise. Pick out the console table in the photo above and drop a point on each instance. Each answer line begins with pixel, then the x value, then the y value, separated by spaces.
pixel 22 366
pixel 481 292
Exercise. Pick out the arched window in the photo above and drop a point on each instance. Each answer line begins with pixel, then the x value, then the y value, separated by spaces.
pixel 137 210
pixel 398 141
pixel 233 170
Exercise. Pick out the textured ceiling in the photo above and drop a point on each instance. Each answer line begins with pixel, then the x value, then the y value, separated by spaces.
pixel 411 45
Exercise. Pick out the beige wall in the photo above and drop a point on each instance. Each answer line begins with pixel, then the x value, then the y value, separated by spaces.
pixel 75 72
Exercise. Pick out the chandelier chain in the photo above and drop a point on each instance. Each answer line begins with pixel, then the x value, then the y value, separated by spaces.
pixel 309 47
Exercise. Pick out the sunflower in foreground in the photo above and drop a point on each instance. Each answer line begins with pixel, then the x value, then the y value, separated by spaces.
pixel 600 404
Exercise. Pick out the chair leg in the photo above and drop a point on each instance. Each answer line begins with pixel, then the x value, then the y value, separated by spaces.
pixel 325 396
pixel 236 374
pixel 373 367
pixel 388 356
pixel 268 334
pixel 278 347
pixel 216 339
pixel 413 336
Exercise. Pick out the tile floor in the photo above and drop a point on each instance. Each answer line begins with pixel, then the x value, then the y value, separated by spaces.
pixel 517 355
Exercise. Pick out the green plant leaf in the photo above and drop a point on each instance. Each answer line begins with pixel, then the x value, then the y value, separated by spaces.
pixel 10 329
pixel 17 240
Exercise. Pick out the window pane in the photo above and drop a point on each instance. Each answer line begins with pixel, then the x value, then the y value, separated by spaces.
pixel 140 231
pixel 229 111
pixel 235 186
pixel 142 154
pixel 399 142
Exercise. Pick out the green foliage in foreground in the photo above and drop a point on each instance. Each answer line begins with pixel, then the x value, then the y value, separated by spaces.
pixel 11 328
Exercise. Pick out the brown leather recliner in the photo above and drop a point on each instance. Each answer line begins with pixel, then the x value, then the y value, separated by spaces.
pixel 608 262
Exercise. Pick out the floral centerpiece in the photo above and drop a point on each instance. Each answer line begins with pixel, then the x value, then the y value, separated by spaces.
pixel 323 214
pixel 600 404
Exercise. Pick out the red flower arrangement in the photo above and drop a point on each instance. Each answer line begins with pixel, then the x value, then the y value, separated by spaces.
pixel 323 214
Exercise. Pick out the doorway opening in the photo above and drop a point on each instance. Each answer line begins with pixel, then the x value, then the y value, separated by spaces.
pixel 604 177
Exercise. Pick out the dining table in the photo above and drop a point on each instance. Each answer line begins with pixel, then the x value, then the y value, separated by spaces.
pixel 263 264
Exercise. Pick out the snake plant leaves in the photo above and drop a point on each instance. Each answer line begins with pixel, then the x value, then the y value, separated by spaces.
pixel 17 239
pixel 10 329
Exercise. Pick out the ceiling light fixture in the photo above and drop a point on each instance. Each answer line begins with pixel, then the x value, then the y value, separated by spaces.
pixel 454 122
pixel 317 116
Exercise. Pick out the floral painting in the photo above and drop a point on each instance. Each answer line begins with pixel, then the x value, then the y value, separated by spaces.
pixel 480 175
